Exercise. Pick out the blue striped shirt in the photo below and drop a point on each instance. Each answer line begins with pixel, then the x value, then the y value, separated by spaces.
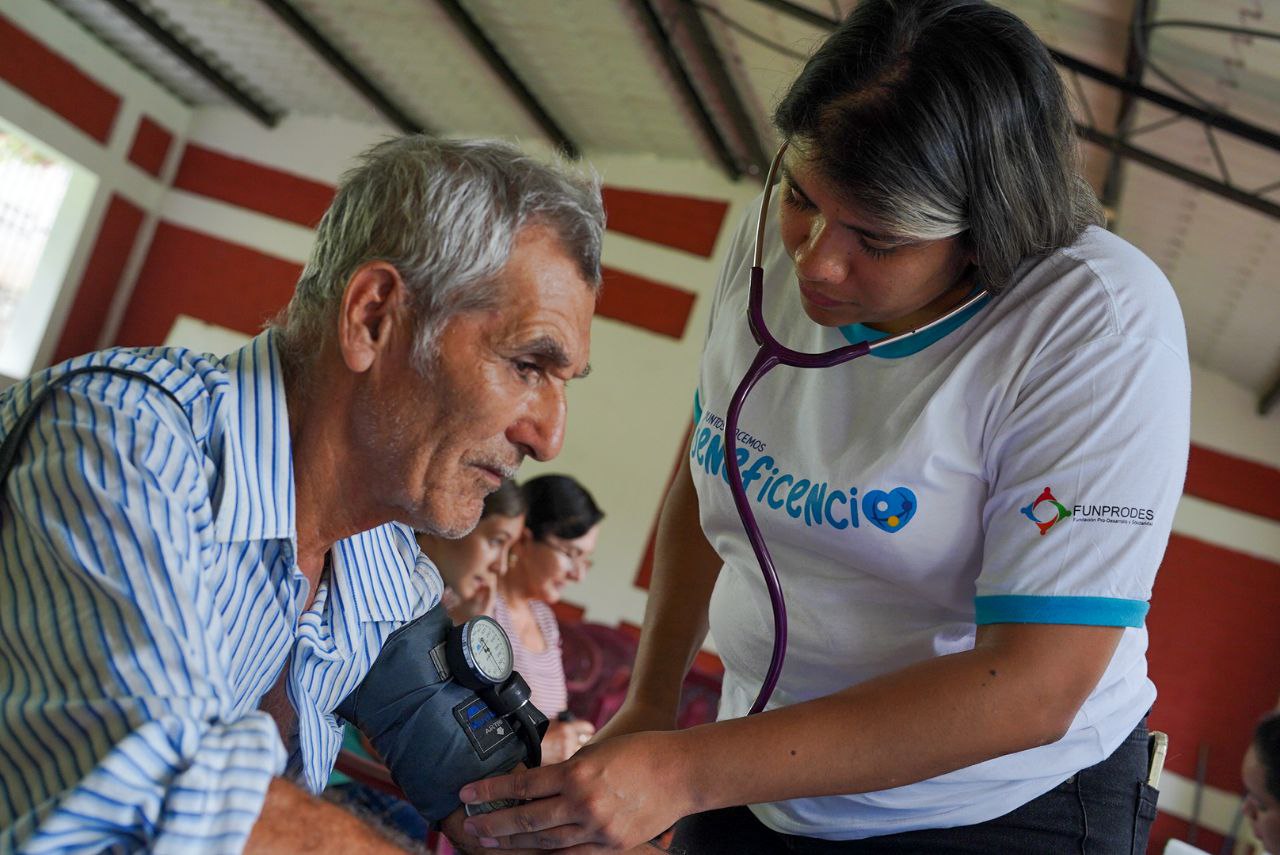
pixel 150 596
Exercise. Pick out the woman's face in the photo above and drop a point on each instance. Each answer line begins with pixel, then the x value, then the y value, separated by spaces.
pixel 1261 808
pixel 480 558
pixel 543 567
pixel 849 271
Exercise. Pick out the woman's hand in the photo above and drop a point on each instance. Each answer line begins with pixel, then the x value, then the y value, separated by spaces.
pixel 610 797
pixel 564 738
pixel 479 603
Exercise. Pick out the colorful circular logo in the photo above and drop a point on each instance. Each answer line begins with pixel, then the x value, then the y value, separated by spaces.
pixel 1044 525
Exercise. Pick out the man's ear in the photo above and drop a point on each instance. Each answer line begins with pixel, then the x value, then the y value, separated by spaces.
pixel 374 296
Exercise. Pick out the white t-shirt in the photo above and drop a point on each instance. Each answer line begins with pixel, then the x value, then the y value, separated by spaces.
pixel 1019 464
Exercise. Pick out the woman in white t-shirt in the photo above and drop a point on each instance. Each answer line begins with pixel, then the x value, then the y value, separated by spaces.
pixel 966 525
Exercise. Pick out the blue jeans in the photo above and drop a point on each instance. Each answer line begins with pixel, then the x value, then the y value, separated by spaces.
pixel 1106 809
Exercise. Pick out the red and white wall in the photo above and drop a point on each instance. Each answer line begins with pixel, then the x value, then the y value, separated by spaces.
pixel 202 221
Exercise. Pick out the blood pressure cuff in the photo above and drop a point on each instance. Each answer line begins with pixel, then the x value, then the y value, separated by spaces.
pixel 434 735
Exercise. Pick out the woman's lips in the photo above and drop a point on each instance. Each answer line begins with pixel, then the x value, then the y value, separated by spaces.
pixel 819 299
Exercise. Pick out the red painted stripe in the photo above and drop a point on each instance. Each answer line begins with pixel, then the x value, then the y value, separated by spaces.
pixel 251 185
pixel 46 76
pixel 708 663
pixel 1233 481
pixel 150 146
pixel 1213 638
pixel 1167 828
pixel 645 303
pixel 101 278
pixel 191 273
pixel 680 222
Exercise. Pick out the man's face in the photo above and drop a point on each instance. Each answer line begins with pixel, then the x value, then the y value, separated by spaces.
pixel 495 393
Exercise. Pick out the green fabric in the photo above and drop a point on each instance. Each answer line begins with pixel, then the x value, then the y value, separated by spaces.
pixel 350 742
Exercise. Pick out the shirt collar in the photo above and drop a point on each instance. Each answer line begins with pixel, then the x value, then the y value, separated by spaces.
pixel 373 575
pixel 256 494
pixel 854 333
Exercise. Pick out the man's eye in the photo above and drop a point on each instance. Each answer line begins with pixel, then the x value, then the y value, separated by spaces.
pixel 525 368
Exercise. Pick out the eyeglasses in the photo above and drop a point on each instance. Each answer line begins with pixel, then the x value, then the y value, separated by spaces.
pixel 576 557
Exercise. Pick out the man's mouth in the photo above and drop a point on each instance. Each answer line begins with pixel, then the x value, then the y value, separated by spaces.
pixel 498 472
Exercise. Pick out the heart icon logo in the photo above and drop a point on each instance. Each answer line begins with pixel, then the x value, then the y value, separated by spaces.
pixel 889 511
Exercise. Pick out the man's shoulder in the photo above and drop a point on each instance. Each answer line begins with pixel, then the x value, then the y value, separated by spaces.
pixel 182 388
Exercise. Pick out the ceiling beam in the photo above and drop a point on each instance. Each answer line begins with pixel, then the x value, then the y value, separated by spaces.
pixel 692 99
pixel 197 63
pixel 715 66
pixel 344 67
pixel 1245 130
pixel 499 66
pixel 1134 65
pixel 1182 173
pixel 801 13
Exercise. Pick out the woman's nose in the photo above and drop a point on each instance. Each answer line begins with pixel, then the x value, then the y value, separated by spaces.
pixel 823 256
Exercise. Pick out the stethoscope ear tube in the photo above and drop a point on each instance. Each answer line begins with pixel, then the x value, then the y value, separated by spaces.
pixel 771 353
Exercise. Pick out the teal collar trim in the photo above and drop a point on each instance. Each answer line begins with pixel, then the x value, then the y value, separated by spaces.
pixel 855 333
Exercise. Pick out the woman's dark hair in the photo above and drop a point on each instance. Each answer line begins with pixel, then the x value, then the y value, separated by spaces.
pixel 559 507
pixel 941 118
pixel 506 501
pixel 1266 741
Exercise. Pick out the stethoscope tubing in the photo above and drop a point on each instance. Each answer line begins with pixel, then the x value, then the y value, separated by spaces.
pixel 770 354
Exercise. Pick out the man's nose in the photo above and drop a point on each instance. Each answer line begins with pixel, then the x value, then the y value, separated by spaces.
pixel 540 429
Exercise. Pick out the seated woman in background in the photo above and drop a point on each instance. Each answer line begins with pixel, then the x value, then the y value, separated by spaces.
pixel 561 525
pixel 471 566
pixel 1261 773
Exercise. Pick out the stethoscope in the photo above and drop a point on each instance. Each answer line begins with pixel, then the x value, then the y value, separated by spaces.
pixel 771 353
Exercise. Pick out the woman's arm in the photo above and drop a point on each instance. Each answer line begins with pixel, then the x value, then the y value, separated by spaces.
pixel 1019 687
pixel 685 568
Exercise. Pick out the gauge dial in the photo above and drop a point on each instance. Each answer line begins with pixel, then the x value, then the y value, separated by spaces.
pixel 487 649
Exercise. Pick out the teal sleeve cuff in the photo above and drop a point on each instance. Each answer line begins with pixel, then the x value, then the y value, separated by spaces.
pixel 1085 611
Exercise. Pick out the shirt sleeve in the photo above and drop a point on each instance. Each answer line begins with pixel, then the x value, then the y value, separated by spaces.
pixel 121 725
pixel 1086 470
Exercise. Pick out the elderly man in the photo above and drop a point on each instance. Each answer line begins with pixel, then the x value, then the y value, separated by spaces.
pixel 198 565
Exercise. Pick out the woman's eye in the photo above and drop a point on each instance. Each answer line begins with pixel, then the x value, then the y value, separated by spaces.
pixel 877 250
pixel 794 199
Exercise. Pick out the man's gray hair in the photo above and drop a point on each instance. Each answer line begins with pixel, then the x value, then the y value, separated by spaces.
pixel 445 214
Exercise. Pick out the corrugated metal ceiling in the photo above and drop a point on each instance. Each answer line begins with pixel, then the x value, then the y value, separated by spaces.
pixel 599 72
